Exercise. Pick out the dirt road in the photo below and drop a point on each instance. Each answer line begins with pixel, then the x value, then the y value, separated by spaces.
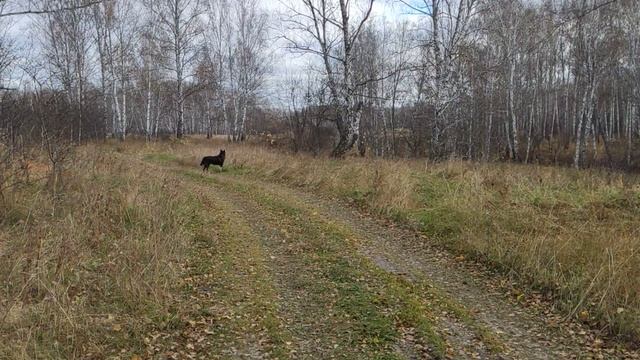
pixel 277 272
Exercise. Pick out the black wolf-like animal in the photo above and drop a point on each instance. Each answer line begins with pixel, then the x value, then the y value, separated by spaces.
pixel 213 160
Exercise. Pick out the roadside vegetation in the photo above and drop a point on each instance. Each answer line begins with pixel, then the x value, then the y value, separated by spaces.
pixel 88 266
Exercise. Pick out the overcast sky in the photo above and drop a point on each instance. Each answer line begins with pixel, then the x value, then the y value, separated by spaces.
pixel 287 65
pixel 284 64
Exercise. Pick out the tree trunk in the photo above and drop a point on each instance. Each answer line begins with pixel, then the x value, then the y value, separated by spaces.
pixel 512 112
pixel 147 126
pixel 348 129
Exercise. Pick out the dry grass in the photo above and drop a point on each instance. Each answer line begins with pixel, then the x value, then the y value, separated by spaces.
pixel 573 234
pixel 87 270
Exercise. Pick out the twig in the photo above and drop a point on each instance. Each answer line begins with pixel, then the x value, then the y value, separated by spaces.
pixel 49 11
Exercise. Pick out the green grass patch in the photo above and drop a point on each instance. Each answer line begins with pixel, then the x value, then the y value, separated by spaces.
pixel 224 251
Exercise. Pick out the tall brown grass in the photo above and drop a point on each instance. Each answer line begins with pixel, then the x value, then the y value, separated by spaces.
pixel 89 270
pixel 573 234
pixel 85 269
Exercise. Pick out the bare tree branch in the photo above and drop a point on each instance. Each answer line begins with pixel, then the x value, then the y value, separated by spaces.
pixel 50 11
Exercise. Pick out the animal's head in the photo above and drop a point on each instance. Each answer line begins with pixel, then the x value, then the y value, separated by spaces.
pixel 222 152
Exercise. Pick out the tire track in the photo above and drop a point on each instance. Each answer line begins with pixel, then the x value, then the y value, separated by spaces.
pixel 228 293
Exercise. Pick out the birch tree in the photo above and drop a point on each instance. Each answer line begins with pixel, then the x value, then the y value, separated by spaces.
pixel 449 28
pixel 180 30
pixel 555 82
pixel 117 27
pixel 39 7
pixel 591 61
pixel 7 57
pixel 220 46
pixel 250 55
pixel 329 29
pixel 149 73
pixel 67 46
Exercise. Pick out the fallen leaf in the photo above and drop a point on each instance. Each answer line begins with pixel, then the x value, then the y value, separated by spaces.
pixel 583 315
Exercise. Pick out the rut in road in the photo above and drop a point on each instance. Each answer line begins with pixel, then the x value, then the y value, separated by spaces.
pixel 302 236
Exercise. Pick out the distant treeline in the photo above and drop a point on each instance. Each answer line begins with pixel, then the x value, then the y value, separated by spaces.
pixel 554 81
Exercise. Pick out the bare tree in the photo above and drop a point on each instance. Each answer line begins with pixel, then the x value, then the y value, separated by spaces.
pixel 250 55
pixel 534 81
pixel 7 56
pixel 506 29
pixel 330 29
pixel 219 44
pixel 180 30
pixel 38 7
pixel 149 72
pixel 397 59
pixel 450 28
pixel 591 62
pixel 67 46
pixel 116 29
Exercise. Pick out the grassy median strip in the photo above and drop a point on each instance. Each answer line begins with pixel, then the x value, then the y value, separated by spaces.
pixel 233 308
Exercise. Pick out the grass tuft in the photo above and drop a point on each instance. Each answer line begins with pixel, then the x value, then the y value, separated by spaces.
pixel 88 270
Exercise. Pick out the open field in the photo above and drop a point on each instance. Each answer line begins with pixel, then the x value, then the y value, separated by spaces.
pixel 573 233
pixel 138 254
